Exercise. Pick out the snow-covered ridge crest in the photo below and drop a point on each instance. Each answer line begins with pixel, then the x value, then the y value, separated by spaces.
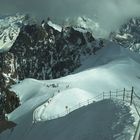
pixel 88 24
pixel 9 30
pixel 55 26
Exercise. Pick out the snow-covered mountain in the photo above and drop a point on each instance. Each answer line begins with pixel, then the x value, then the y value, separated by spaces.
pixel 128 35
pixel 49 51
pixel 88 24
pixel 46 52
pixel 9 30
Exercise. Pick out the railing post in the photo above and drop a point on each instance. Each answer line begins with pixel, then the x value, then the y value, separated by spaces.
pixel 132 92
pixel 110 94
pixel 123 94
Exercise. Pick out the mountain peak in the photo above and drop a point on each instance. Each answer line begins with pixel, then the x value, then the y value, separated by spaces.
pixel 86 23
pixel 9 30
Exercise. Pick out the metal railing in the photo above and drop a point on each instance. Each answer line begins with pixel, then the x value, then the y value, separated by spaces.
pixel 125 95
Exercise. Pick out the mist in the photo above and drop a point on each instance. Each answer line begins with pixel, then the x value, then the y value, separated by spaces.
pixel 109 13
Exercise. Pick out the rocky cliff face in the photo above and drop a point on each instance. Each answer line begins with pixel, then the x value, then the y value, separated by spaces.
pixel 8 76
pixel 48 51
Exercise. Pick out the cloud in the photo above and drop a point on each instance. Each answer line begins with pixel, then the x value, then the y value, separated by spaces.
pixel 110 13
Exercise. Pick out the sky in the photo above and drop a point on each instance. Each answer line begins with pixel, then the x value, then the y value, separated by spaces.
pixel 110 13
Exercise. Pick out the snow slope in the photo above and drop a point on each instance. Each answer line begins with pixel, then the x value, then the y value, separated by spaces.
pixel 113 67
pixel 58 103
pixel 56 27
pixel 100 120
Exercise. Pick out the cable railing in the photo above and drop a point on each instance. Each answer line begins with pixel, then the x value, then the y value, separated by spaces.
pixel 128 96
pixel 125 95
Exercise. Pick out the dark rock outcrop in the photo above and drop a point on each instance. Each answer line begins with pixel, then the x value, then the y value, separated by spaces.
pixel 46 53
pixel 9 101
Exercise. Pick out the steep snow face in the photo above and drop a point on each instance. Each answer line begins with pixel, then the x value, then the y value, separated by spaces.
pixel 9 30
pixel 88 24
pixel 55 26
pixel 109 53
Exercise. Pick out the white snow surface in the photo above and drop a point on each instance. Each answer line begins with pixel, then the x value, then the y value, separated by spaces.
pixel 58 103
pixel 113 67
pixel 100 120
pixel 55 26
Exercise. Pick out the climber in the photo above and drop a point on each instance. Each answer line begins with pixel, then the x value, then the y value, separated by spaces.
pixel 67 110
